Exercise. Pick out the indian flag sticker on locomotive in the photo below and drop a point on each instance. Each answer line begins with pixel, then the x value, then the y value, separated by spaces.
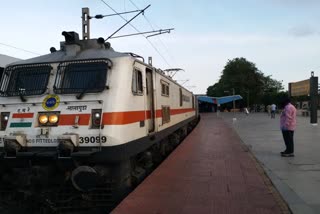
pixel 21 120
pixel 51 102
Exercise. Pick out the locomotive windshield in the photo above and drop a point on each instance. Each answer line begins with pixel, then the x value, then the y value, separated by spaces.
pixel 25 80
pixel 81 77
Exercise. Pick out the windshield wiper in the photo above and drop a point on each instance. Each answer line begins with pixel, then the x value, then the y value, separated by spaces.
pixel 22 98
pixel 79 96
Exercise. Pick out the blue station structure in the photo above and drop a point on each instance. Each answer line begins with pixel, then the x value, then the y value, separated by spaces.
pixel 212 104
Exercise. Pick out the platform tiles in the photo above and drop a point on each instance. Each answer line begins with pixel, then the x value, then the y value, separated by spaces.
pixel 210 172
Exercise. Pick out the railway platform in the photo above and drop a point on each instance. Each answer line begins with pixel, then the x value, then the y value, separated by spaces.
pixel 211 171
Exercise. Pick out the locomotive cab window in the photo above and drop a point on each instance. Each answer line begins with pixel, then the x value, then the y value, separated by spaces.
pixel 25 80
pixel 137 84
pixel 165 88
pixel 81 77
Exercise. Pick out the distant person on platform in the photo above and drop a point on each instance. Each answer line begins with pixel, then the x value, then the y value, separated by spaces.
pixel 246 111
pixel 288 125
pixel 269 110
pixel 273 111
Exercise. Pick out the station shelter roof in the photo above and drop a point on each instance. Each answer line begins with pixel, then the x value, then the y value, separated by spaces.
pixel 219 100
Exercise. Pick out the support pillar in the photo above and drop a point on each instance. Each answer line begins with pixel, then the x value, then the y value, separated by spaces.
pixel 313 99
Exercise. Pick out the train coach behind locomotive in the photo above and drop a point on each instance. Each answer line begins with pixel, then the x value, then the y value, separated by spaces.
pixel 80 125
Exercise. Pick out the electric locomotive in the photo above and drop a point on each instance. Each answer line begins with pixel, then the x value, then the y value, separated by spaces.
pixel 79 127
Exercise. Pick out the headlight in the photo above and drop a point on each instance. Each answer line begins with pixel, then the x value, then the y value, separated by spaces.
pixel 48 118
pixel 53 118
pixel 43 119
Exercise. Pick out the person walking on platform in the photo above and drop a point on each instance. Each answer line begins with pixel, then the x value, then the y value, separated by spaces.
pixel 288 125
pixel 273 111
pixel 269 110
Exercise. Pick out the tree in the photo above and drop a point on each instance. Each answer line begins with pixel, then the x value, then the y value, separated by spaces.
pixel 271 85
pixel 247 80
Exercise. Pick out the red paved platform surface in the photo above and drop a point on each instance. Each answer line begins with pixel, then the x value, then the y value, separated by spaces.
pixel 210 172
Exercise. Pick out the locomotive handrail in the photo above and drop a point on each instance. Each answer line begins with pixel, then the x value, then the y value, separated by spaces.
pixel 135 55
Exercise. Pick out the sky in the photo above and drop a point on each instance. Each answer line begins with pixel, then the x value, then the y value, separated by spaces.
pixel 282 37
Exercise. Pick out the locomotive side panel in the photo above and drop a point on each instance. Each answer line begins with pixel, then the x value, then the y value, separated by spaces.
pixel 124 116
pixel 174 102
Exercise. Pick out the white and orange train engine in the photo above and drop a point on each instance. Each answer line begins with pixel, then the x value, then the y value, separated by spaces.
pixel 85 123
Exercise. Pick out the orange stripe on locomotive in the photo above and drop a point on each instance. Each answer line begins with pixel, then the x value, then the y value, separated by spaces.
pixel 116 118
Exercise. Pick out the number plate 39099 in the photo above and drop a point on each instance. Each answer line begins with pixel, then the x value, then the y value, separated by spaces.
pixel 92 139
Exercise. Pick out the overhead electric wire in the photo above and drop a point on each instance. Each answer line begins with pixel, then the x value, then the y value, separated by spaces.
pixel 100 16
pixel 128 22
pixel 146 32
pixel 138 32
pixel 165 47
pixel 143 14
pixel 146 18
pixel 21 49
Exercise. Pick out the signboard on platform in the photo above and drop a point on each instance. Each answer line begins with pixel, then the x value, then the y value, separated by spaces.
pixel 300 88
